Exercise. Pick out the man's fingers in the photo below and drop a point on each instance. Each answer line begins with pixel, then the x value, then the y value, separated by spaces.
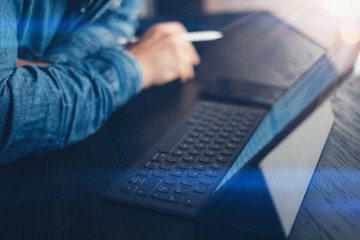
pixel 164 56
pixel 191 51
pixel 185 65
pixel 170 27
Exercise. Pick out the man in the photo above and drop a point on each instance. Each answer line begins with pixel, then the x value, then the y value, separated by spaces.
pixel 62 73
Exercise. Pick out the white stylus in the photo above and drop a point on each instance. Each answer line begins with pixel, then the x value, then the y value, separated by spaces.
pixel 190 36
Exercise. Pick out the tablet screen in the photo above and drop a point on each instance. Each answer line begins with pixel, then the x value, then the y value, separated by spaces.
pixel 295 102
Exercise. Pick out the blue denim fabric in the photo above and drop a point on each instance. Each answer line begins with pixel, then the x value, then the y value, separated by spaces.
pixel 47 108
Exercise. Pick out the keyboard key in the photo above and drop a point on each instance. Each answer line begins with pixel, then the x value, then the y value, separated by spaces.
pixel 199 129
pixel 140 180
pixel 215 146
pixel 188 181
pixel 184 165
pixel 219 123
pixel 205 159
pixel 216 165
pixel 160 173
pixel 209 134
pixel 151 165
pixel 204 123
pixel 229 129
pixel 209 118
pixel 224 134
pixel 158 157
pixel 201 189
pixel 222 159
pixel 243 128
pixel 210 152
pixel 205 139
pixel 200 166
pixel 240 134
pixel 178 152
pixel 220 140
pixel 128 188
pixel 181 189
pixel 237 119
pixel 206 180
pixel 133 179
pixel 194 134
pixel 236 140
pixel 172 159
pixel 251 118
pixel 192 121
pixel 197 115
pixel 178 172
pixel 232 146
pixel 215 128
pixel 189 140
pixel 184 146
pixel 227 152
pixel 194 151
pixel 248 123
pixel 144 172
pixel 232 124
pixel 189 158
pixel 165 188
pixel 166 165
pixel 200 145
pixel 174 198
pixel 194 173
pixel 171 180
pixel 212 173
pixel 223 119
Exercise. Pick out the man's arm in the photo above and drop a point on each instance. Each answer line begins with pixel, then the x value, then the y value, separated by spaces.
pixel 117 21
pixel 47 108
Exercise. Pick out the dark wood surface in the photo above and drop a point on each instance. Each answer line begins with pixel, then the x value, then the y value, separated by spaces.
pixel 60 195
pixel 331 208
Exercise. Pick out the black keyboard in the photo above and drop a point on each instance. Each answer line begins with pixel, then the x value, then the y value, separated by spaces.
pixel 185 166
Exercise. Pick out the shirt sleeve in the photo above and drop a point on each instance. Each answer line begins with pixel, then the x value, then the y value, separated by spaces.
pixel 48 108
pixel 119 20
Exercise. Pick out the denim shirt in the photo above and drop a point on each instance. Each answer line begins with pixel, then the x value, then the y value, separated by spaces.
pixel 47 108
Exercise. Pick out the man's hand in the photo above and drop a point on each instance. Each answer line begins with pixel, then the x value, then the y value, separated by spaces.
pixel 164 56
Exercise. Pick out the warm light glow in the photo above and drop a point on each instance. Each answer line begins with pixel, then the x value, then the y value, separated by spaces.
pixel 349 9
pixel 350 34
pixel 338 8
pixel 347 12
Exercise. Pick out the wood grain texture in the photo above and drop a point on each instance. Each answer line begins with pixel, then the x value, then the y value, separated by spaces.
pixel 60 195
pixel 331 208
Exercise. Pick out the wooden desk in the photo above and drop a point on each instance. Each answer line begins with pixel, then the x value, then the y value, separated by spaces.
pixel 60 195
pixel 331 208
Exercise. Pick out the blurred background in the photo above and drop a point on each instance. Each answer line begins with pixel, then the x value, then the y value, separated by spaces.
pixel 324 21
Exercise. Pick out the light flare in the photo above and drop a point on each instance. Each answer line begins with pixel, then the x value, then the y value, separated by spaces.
pixel 350 33
pixel 348 9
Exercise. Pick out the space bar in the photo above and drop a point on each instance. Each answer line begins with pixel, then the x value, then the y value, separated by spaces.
pixel 168 141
